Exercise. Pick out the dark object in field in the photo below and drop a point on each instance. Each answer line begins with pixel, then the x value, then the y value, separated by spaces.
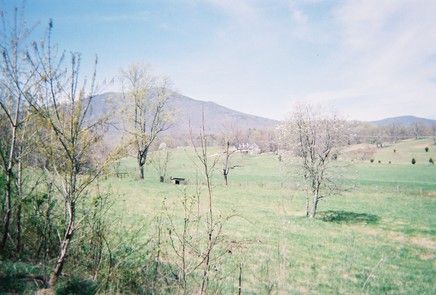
pixel 431 161
pixel 426 149
pixel 178 180
pixel 413 161
pixel 395 150
pixel 348 217
pixel 379 161
pixel 390 162
pixel 372 160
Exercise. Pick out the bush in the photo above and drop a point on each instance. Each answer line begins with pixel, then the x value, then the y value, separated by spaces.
pixel 76 286
pixel 413 161
pixel 372 160
pixel 395 150
pixel 379 161
pixel 426 149
pixel 431 161
pixel 390 162
pixel 20 278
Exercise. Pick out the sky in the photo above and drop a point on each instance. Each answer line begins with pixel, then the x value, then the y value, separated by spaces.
pixel 365 59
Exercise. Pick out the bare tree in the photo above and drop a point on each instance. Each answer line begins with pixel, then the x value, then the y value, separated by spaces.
pixel 159 160
pixel 15 79
pixel 145 113
pixel 417 129
pixel 228 153
pixel 199 243
pixel 207 165
pixel 315 139
pixel 394 132
pixel 64 104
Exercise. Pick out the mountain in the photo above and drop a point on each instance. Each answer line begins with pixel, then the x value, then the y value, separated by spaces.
pixel 188 112
pixel 217 118
pixel 404 120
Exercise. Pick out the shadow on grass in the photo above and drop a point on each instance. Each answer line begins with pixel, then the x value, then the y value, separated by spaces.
pixel 348 217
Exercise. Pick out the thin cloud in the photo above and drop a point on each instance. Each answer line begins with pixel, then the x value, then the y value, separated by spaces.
pixel 139 16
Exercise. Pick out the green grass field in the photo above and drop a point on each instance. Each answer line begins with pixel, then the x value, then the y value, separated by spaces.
pixel 377 238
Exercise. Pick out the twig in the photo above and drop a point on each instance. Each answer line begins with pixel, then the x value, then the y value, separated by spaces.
pixel 380 262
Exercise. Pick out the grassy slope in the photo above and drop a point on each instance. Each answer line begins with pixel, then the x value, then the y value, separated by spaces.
pixel 383 229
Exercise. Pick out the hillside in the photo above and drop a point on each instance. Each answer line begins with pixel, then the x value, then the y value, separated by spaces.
pixel 188 111
pixel 404 120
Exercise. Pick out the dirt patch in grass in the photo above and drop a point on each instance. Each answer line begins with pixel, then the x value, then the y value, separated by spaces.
pixel 427 256
pixel 422 242
pixel 431 194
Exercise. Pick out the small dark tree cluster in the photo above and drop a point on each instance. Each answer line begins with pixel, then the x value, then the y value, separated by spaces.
pixel 413 161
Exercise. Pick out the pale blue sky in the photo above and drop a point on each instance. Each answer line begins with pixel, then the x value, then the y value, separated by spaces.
pixel 367 59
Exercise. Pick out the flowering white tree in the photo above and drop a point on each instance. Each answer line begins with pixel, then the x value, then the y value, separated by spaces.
pixel 315 140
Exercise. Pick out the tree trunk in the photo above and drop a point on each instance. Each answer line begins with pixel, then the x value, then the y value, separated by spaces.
pixel 9 179
pixel 240 279
pixel 64 247
pixel 225 173
pixel 314 206
pixel 226 164
pixel 7 218
pixel 142 158
pixel 19 245
pixel 141 171
pixel 47 235
pixel 307 206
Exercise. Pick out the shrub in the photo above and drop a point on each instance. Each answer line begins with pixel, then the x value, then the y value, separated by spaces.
pixel 19 278
pixel 390 162
pixel 395 150
pixel 372 160
pixel 379 161
pixel 426 149
pixel 413 161
pixel 76 286
pixel 431 161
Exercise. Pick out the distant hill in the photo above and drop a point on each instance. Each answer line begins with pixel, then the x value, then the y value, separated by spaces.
pixel 188 112
pixel 404 120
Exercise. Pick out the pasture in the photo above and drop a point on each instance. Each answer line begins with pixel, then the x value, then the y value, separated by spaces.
pixel 379 237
